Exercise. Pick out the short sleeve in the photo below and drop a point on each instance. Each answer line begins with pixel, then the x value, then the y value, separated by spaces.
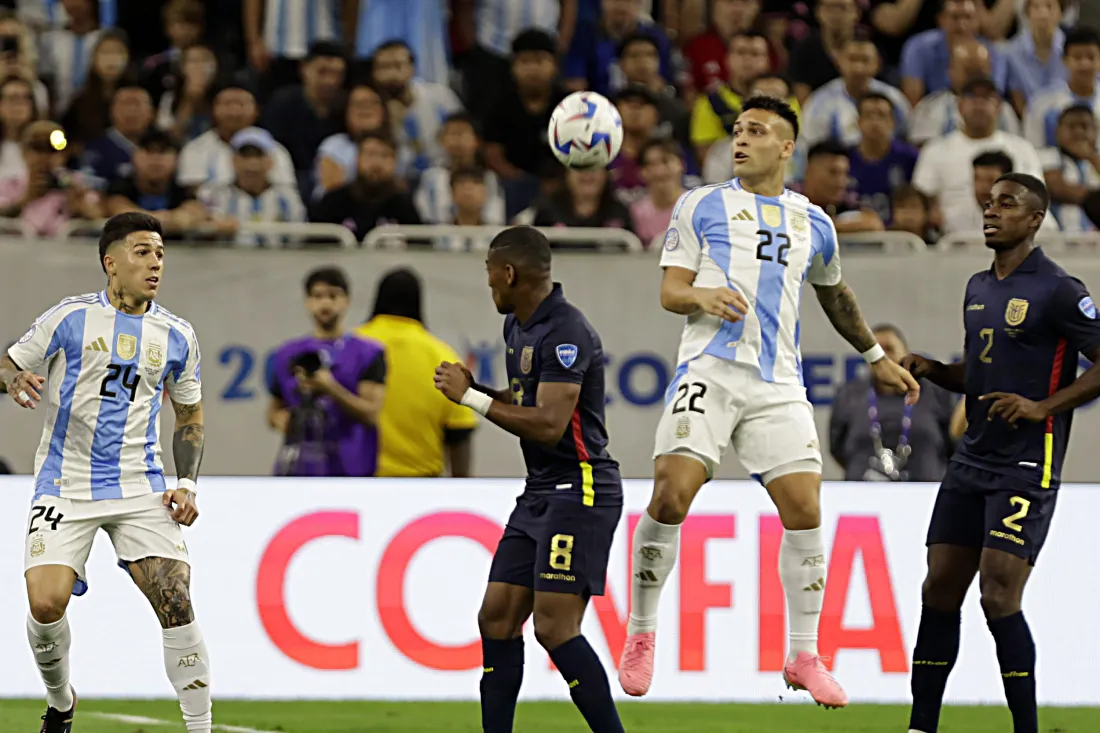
pixel 43 339
pixel 1050 159
pixel 825 260
pixel 682 247
pixel 375 371
pixel 184 383
pixel 565 353
pixel 191 170
pixel 926 173
pixel 1074 315
pixel 912 59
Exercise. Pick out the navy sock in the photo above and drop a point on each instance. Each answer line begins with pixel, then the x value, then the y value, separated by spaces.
pixel 501 677
pixel 588 686
pixel 933 658
pixel 1016 653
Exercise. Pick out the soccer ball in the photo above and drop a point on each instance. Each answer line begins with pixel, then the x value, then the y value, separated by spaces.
pixel 585 131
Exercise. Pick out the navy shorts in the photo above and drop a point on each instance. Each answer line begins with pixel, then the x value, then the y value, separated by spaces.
pixel 979 508
pixel 556 545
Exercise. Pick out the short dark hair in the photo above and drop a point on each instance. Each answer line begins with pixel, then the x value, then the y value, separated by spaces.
pixel 329 275
pixel 1033 185
pixel 326 49
pixel 874 97
pixel 1071 110
pixel 909 192
pixel 636 37
pixel 861 35
pixel 771 75
pixel 994 159
pixel 467 173
pixel 752 33
pixel 392 44
pixel 120 226
pixel 381 137
pixel 830 147
pixel 157 139
pixel 668 145
pixel 399 295
pixel 775 106
pixel 890 328
pixel 461 118
pixel 533 39
pixel 1080 35
pixel 524 247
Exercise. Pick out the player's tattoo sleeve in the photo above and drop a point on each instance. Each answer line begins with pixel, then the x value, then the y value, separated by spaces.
pixel 839 303
pixel 166 583
pixel 188 440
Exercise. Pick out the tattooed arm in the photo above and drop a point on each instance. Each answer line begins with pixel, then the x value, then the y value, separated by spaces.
pixel 839 303
pixel 188 440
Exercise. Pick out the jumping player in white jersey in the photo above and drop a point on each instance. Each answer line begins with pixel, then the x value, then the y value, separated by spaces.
pixel 110 357
pixel 734 260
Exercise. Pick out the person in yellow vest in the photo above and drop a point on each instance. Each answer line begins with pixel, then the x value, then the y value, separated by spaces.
pixel 418 427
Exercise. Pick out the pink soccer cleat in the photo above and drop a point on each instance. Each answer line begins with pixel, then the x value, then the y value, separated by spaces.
pixel 807 672
pixel 636 665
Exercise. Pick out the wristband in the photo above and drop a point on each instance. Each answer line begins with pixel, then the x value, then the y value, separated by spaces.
pixel 186 484
pixel 477 401
pixel 873 354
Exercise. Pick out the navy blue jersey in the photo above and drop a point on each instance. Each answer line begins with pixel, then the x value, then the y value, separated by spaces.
pixel 1023 334
pixel 558 344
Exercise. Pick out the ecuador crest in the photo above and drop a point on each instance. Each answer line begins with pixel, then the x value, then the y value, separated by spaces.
pixel 1016 311
pixel 525 358
pixel 126 346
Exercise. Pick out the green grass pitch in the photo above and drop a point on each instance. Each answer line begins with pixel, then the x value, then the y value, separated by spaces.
pixel 230 716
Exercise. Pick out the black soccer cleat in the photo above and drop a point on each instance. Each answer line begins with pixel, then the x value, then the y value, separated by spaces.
pixel 56 721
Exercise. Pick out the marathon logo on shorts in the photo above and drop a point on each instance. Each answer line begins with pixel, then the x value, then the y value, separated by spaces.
pixel 1087 308
pixel 672 240
pixel 567 355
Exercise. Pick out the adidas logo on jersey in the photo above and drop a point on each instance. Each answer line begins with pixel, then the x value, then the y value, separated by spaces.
pixel 98 345
pixel 745 216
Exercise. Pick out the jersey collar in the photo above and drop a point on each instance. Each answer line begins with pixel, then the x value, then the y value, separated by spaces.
pixel 1030 263
pixel 545 307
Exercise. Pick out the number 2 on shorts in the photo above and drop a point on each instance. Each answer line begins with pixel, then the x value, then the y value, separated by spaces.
pixel 561 552
pixel 1011 520
pixel 50 518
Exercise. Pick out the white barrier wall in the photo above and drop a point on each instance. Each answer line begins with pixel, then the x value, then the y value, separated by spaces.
pixel 370 589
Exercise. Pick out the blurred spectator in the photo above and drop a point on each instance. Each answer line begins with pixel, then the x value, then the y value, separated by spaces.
pixel 335 162
pixel 88 114
pixel 587 200
pixel 706 54
pixel 1082 59
pixel 663 170
pixel 1035 54
pixel 418 25
pixel 640 61
pixel 279 33
pixel 832 111
pixel 67 53
pixel 419 427
pixel 187 109
pixel 375 196
pixel 17 110
pixel 880 162
pixel 416 107
pixel 50 195
pixel 251 197
pixel 19 57
pixel 938 113
pixel 1072 170
pixel 877 437
pixel 152 186
pixel 107 157
pixel 926 56
pixel 827 185
pixel 937 174
pixel 327 389
pixel 460 143
pixel 209 158
pixel 812 58
pixel 718 165
pixel 184 25
pixel 911 211
pixel 591 61
pixel 470 198
pixel 302 116
pixel 638 109
pixel 988 167
pixel 516 147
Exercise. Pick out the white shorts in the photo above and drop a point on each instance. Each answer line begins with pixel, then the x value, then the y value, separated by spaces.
pixel 61 531
pixel 771 425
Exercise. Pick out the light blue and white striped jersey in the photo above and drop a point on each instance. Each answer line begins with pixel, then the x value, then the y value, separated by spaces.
pixel 275 204
pixel 66 57
pixel 1041 121
pixel 938 114
pixel 51 13
pixel 291 26
pixel 764 248
pixel 422 24
pixel 831 113
pixel 418 134
pixel 499 21
pixel 107 373
pixel 1071 217
pixel 436 206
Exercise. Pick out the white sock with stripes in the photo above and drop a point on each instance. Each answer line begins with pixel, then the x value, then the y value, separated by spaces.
pixel 188 667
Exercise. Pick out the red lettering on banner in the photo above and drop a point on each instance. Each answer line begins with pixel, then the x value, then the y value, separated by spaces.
pixel 853 534
pixel 391 587
pixel 862 535
pixel 271 590
pixel 696 594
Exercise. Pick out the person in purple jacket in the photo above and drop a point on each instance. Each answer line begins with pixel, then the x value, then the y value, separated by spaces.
pixel 327 389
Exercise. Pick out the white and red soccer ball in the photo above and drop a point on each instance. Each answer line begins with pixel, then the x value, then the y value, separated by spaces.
pixel 585 131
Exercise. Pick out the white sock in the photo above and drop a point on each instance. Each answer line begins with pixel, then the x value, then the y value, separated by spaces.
pixel 188 668
pixel 50 644
pixel 802 572
pixel 655 548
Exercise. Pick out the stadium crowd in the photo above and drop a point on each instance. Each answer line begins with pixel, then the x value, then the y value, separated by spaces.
pixel 360 113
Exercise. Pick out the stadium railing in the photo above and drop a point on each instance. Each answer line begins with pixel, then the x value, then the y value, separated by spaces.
pixel 293 230
pixel 891 243
pixel 397 236
pixel 1058 243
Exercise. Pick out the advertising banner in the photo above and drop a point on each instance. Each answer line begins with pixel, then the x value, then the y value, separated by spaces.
pixel 369 589
pixel 243 304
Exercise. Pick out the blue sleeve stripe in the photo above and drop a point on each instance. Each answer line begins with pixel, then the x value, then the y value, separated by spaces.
pixel 822 227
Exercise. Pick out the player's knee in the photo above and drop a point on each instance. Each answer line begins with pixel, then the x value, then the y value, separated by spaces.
pixel 47 609
pixel 1000 596
pixel 672 496
pixel 551 631
pixel 495 622
pixel 801 513
pixel 942 592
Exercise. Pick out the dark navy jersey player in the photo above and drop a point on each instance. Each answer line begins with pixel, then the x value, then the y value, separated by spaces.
pixel 1026 321
pixel 553 555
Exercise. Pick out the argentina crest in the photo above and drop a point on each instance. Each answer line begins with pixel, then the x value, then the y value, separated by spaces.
pixel 1016 311
pixel 525 358
pixel 771 215
pixel 126 346
pixel 154 356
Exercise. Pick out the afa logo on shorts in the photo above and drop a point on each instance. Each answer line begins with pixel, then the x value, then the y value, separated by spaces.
pixel 1087 307
pixel 567 355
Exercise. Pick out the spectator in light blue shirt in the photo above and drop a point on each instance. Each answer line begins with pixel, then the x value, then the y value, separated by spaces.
pixel 421 25
pixel 1081 53
pixel 926 56
pixel 1035 54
